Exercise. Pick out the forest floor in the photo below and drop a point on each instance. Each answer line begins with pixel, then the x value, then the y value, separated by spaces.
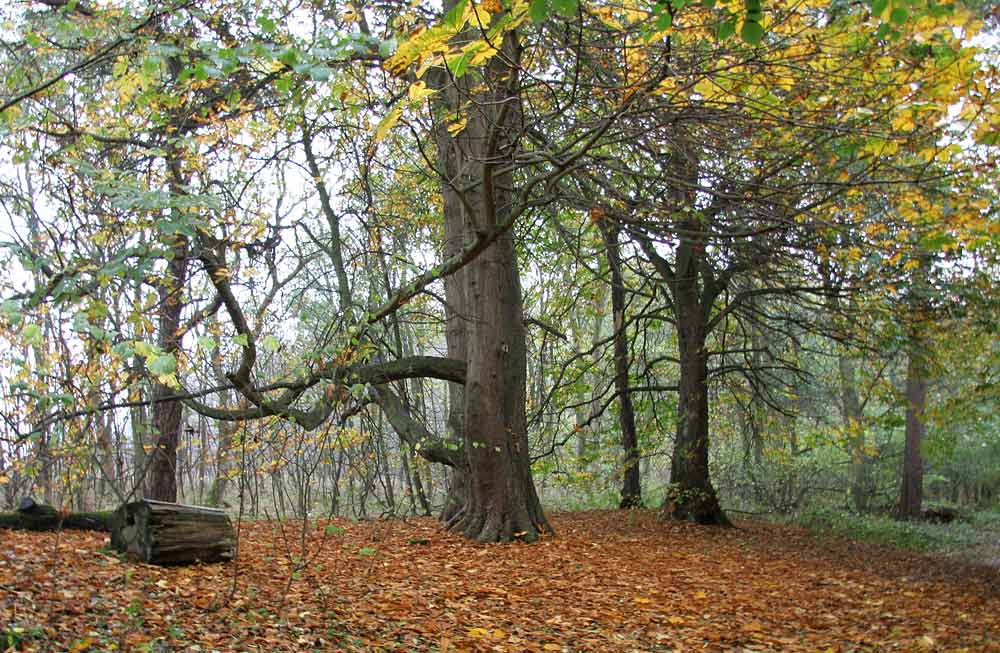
pixel 608 581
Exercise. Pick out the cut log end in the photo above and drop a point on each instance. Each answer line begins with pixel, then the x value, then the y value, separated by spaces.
pixel 171 533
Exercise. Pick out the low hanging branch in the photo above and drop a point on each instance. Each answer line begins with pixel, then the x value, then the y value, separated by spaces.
pixel 376 373
pixel 429 446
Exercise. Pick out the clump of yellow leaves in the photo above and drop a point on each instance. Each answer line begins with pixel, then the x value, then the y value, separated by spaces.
pixel 467 37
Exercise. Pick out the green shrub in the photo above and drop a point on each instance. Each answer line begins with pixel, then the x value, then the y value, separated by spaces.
pixel 918 536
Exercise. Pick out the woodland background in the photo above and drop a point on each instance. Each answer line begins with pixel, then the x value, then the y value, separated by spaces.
pixel 290 257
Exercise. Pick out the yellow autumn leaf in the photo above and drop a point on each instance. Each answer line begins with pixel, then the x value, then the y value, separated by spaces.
pixel 81 645
pixel 387 123
pixel 458 127
pixel 477 15
pixel 478 633
pixel 676 620
pixel 418 91
pixel 551 647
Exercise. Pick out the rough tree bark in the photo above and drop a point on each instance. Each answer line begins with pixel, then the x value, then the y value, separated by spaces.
pixel 497 500
pixel 168 413
pixel 692 495
pixel 169 533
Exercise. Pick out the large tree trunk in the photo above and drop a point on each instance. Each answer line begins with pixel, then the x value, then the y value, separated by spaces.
pixel 694 288
pixel 455 337
pixel 497 501
pixel 691 495
pixel 502 503
pixel 911 493
pixel 631 494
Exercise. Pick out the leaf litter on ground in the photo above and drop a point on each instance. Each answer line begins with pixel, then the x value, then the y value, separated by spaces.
pixel 608 581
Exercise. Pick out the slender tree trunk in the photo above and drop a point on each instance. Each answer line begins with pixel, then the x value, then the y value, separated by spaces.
pixel 220 481
pixel 631 493
pixel 418 483
pixel 168 413
pixel 911 493
pixel 43 451
pixel 862 484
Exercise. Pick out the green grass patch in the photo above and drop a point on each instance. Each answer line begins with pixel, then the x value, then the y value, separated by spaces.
pixel 867 528
pixel 955 538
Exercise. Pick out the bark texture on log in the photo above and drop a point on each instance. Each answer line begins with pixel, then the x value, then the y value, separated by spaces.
pixel 170 533
pixel 32 516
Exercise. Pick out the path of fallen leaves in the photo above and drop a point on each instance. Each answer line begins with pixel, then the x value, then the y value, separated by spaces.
pixel 610 581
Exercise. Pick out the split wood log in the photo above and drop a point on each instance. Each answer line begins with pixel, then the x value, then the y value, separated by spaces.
pixel 33 516
pixel 171 533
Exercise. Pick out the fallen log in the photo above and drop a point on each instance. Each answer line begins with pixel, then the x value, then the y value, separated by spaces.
pixel 33 516
pixel 171 533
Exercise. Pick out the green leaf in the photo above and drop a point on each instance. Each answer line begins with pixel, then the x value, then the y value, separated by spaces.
pixel 266 24
pixel 206 343
pixel 320 73
pixel 163 365
pixel 242 340
pixel 898 16
pixel 454 17
pixel 11 311
pixel 271 343
pixel 334 530
pixel 566 8
pixel 752 32
pixel 387 47
pixel 366 551
pixel 539 10
pixel 32 335
pixel 460 65
pixel 725 29
pixel 878 6
pixel 988 137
